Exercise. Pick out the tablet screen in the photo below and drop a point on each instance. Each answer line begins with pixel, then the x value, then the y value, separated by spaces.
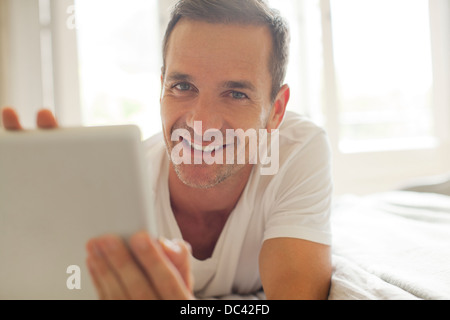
pixel 58 189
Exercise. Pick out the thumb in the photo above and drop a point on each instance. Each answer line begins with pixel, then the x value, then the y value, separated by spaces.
pixel 179 253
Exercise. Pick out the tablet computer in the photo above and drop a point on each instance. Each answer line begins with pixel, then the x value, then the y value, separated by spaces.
pixel 58 189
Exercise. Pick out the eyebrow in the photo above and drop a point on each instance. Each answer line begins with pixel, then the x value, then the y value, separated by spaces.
pixel 239 84
pixel 177 76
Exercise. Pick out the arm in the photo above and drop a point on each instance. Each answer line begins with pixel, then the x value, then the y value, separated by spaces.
pixel 295 269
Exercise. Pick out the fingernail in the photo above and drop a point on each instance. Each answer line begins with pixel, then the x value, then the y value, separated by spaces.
pixel 172 245
pixel 188 245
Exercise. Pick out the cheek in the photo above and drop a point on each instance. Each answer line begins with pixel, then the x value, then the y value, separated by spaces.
pixel 164 114
pixel 168 119
pixel 169 114
pixel 254 118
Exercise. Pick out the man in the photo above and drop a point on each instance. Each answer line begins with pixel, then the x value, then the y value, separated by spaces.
pixel 238 230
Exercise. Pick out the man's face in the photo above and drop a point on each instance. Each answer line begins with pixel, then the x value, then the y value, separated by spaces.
pixel 218 75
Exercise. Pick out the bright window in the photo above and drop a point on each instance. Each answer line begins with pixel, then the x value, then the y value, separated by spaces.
pixel 304 74
pixel 373 73
pixel 120 63
pixel 382 55
pixel 381 61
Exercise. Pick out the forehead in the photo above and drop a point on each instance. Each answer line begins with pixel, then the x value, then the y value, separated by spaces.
pixel 229 50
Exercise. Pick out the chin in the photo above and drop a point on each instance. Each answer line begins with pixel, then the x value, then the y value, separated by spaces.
pixel 203 176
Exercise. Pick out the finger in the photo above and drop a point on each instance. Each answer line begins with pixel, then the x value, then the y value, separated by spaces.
pixel 95 277
pixel 164 276
pixel 179 252
pixel 46 119
pixel 125 267
pixel 110 286
pixel 10 119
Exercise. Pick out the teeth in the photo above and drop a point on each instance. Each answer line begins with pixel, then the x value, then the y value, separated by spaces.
pixel 203 148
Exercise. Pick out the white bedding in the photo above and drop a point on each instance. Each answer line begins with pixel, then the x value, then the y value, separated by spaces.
pixel 393 245
pixel 388 246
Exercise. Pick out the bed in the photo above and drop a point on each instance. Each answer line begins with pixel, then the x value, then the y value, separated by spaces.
pixel 390 246
pixel 393 245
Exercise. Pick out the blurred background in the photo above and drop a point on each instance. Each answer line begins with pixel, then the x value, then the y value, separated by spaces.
pixel 374 73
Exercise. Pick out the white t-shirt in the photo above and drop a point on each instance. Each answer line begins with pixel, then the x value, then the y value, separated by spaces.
pixel 293 203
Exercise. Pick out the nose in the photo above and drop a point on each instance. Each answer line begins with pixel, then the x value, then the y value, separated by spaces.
pixel 204 110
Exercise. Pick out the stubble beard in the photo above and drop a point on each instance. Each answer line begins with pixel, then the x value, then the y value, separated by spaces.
pixel 214 175
pixel 218 173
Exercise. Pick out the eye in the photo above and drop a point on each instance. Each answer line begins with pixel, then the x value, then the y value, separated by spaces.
pixel 238 95
pixel 183 86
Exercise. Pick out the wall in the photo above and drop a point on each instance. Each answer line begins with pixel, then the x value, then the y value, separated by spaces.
pixel 3 45
pixel 21 59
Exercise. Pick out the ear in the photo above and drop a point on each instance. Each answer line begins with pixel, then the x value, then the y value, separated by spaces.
pixel 279 108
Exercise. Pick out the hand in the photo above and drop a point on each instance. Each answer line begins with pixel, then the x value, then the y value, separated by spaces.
pixel 45 119
pixel 148 269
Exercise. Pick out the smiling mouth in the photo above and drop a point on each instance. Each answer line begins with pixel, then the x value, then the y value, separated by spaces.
pixel 204 149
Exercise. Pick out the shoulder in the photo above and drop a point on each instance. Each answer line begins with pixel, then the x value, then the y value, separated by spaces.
pixel 154 143
pixel 298 130
pixel 155 154
pixel 304 164
pixel 295 201
pixel 154 148
pixel 302 160
pixel 302 142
